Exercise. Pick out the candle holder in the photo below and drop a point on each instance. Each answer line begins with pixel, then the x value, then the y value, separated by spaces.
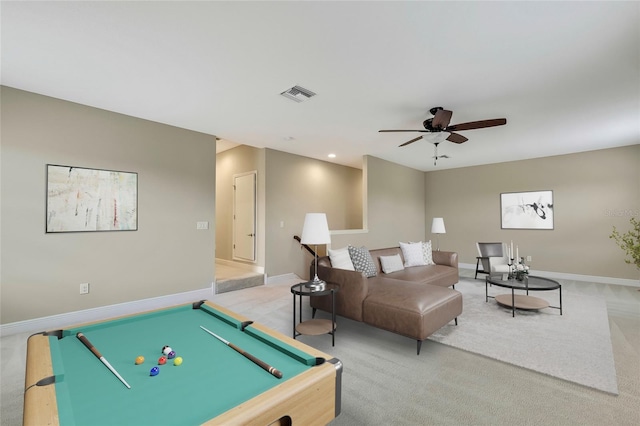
pixel 511 268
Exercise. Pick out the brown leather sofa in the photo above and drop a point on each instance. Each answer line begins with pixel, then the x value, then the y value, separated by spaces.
pixel 414 302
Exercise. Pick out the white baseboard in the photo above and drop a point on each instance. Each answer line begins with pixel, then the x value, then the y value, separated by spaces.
pixel 54 322
pixel 572 277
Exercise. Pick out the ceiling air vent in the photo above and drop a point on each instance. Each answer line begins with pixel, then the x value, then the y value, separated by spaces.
pixel 298 94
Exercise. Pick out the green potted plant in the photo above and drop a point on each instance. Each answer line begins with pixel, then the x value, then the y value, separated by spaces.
pixel 629 242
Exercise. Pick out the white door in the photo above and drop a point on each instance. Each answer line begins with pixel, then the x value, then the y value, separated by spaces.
pixel 244 216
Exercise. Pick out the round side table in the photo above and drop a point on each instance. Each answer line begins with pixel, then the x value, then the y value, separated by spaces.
pixel 314 327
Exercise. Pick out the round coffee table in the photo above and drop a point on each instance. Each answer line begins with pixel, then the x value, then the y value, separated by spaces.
pixel 522 301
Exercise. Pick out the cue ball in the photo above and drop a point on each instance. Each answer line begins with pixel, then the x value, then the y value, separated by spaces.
pixel 171 355
pixel 154 371
pixel 166 350
pixel 139 360
pixel 162 360
pixel 177 361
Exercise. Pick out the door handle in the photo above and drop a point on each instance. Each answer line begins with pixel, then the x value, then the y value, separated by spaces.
pixel 251 235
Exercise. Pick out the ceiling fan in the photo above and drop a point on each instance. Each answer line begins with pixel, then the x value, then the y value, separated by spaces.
pixel 439 125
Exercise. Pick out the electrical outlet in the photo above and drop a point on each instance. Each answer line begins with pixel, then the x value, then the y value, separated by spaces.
pixel 84 288
pixel 202 225
pixel 528 258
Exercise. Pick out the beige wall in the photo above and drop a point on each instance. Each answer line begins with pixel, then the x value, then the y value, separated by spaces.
pixel 394 206
pixel 298 185
pixel 593 191
pixel 40 273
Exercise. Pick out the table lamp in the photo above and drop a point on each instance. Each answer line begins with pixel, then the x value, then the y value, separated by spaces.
pixel 437 227
pixel 315 231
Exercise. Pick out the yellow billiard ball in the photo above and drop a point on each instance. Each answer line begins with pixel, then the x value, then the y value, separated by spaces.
pixel 177 360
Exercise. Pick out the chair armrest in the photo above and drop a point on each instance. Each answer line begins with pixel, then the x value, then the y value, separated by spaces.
pixel 446 258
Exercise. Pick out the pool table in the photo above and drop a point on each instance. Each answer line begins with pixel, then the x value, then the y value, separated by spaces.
pixel 66 383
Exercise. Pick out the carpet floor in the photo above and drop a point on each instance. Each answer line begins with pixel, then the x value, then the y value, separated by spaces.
pixel 574 346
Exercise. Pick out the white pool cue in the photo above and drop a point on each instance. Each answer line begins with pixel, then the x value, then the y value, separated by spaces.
pixel 98 355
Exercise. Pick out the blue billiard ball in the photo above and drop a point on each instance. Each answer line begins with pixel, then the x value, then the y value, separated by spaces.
pixel 154 371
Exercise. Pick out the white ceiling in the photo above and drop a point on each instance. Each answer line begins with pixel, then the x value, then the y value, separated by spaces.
pixel 566 75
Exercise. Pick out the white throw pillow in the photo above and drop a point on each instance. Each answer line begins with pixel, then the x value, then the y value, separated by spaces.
pixel 427 252
pixel 413 254
pixel 341 259
pixel 391 263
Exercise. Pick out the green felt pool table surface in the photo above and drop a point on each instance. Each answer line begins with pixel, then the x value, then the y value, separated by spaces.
pixel 212 379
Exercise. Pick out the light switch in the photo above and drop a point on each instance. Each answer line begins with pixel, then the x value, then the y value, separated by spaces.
pixel 202 225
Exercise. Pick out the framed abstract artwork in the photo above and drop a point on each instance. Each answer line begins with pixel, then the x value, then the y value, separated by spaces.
pixel 87 200
pixel 526 210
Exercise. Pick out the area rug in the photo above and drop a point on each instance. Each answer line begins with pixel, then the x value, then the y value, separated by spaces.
pixel 574 346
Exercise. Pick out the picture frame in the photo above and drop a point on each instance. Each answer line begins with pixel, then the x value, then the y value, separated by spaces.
pixel 81 199
pixel 527 210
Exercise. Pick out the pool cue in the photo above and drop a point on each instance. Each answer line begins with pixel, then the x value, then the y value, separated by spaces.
pixel 98 355
pixel 275 372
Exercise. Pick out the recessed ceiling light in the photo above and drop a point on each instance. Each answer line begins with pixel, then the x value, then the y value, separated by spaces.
pixel 331 156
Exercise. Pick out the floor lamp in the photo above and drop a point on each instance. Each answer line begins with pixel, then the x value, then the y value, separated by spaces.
pixel 315 231
pixel 437 227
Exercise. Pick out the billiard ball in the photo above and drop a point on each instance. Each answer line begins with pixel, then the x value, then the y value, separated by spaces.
pixel 162 360
pixel 171 355
pixel 154 371
pixel 139 360
pixel 166 350
pixel 177 361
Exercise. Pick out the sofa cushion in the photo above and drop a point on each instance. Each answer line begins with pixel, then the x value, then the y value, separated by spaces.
pixel 341 259
pixel 362 261
pixel 391 263
pixel 410 309
pixel 413 254
pixel 438 275
pixel 427 253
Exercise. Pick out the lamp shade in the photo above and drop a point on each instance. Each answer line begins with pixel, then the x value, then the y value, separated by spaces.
pixel 315 229
pixel 437 226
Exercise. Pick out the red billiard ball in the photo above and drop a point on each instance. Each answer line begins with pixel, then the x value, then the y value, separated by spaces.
pixel 162 360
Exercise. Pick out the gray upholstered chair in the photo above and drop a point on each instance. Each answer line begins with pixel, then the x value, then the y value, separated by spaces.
pixel 492 257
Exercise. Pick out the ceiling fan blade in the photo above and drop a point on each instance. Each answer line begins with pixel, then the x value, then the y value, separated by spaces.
pixel 441 119
pixel 403 130
pixel 477 124
pixel 411 141
pixel 456 138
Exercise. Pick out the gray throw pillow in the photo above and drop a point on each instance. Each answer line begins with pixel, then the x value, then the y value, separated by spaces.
pixel 362 261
